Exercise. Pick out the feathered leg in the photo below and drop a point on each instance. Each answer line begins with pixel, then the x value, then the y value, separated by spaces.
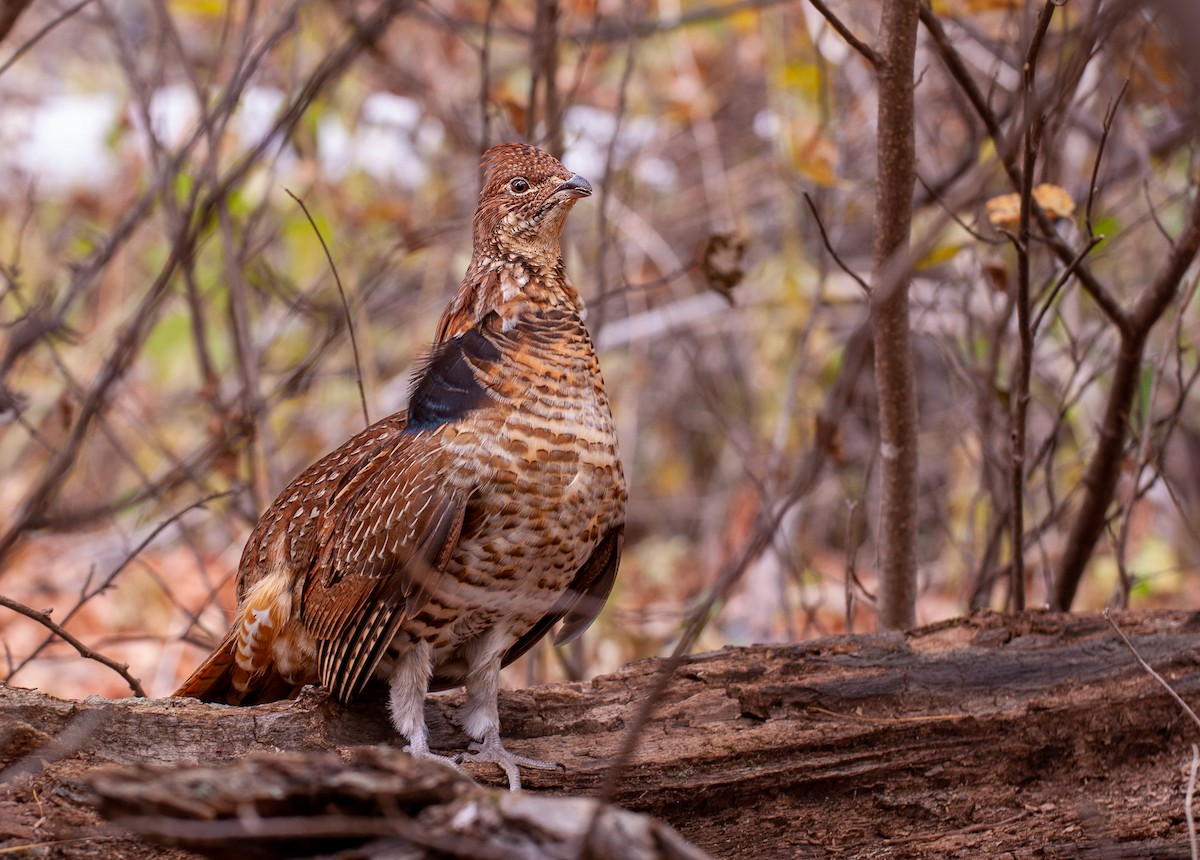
pixel 480 715
pixel 409 685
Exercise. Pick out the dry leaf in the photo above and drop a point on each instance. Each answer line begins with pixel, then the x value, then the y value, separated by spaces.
pixel 721 263
pixel 1004 211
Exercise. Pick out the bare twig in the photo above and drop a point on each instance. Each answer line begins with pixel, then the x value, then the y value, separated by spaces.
pixel 958 71
pixel 866 51
pixel 345 306
pixel 1109 116
pixel 1150 671
pixel 1103 469
pixel 366 32
pixel 108 580
pixel 1063 278
pixel 40 34
pixel 645 28
pixel 87 653
pixel 866 288
pixel 543 62
pixel 1033 122
pixel 851 563
pixel 602 221
pixel 770 517
pixel 936 196
pixel 485 80
pixel 1007 155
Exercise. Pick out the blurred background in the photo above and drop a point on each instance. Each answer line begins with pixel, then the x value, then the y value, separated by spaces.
pixel 176 346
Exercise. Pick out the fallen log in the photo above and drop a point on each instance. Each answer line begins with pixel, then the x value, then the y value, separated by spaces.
pixel 1035 735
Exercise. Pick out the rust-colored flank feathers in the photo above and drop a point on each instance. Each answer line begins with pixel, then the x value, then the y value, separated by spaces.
pixel 441 543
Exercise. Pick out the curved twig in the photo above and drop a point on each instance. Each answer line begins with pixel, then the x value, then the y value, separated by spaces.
pixel 44 619
pixel 866 288
pixel 108 580
pixel 362 395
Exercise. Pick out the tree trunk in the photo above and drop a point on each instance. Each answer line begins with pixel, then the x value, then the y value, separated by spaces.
pixel 896 167
pixel 1029 736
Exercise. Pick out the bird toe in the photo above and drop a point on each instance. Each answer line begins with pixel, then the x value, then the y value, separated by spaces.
pixel 491 750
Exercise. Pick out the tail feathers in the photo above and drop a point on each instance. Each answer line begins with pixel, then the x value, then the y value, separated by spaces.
pixel 213 679
pixel 220 679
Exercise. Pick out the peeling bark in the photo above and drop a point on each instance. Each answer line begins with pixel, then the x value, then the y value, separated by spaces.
pixel 1027 736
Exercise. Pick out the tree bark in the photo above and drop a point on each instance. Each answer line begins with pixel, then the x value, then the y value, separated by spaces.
pixel 1025 736
pixel 894 380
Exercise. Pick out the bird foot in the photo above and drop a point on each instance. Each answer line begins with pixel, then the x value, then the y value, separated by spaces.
pixel 491 750
pixel 422 751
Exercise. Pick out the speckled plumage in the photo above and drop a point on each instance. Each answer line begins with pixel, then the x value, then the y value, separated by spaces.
pixel 442 542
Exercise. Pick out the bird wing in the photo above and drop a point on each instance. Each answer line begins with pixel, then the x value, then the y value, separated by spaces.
pixel 378 560
pixel 396 522
pixel 294 521
pixel 583 599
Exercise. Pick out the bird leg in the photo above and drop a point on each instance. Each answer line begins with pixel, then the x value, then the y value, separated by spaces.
pixel 490 749
pixel 409 684
pixel 480 715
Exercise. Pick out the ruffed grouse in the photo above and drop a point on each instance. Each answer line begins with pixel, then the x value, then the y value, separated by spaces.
pixel 441 543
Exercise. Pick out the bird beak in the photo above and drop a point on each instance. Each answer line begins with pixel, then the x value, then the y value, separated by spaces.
pixel 575 187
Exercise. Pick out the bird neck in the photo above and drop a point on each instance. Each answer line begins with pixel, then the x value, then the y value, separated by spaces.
pixel 509 286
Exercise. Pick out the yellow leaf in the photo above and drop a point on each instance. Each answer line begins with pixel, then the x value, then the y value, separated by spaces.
pixel 199 8
pixel 814 155
pixel 938 255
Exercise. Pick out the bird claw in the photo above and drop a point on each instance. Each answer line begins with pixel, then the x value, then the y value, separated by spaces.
pixel 491 750
pixel 419 752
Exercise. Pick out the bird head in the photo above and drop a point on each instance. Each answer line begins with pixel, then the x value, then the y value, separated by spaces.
pixel 526 196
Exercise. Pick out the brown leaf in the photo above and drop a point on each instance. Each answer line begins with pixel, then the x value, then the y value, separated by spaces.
pixel 721 263
pixel 1004 211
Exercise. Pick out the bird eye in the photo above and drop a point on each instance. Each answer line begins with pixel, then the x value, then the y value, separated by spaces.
pixel 519 185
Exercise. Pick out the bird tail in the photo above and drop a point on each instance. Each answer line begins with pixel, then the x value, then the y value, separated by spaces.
pixel 213 679
pixel 220 679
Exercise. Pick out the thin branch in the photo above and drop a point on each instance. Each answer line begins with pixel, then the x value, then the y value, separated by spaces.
pixel 603 225
pixel 87 653
pixel 851 563
pixel 644 28
pixel 543 49
pixel 108 580
pixel 866 288
pixel 1109 116
pixel 1104 467
pixel 366 32
pixel 770 517
pixel 866 51
pixel 1063 278
pixel 485 80
pixel 40 34
pixel 1150 670
pixel 345 306
pixel 936 197
pixel 1033 122
pixel 958 71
